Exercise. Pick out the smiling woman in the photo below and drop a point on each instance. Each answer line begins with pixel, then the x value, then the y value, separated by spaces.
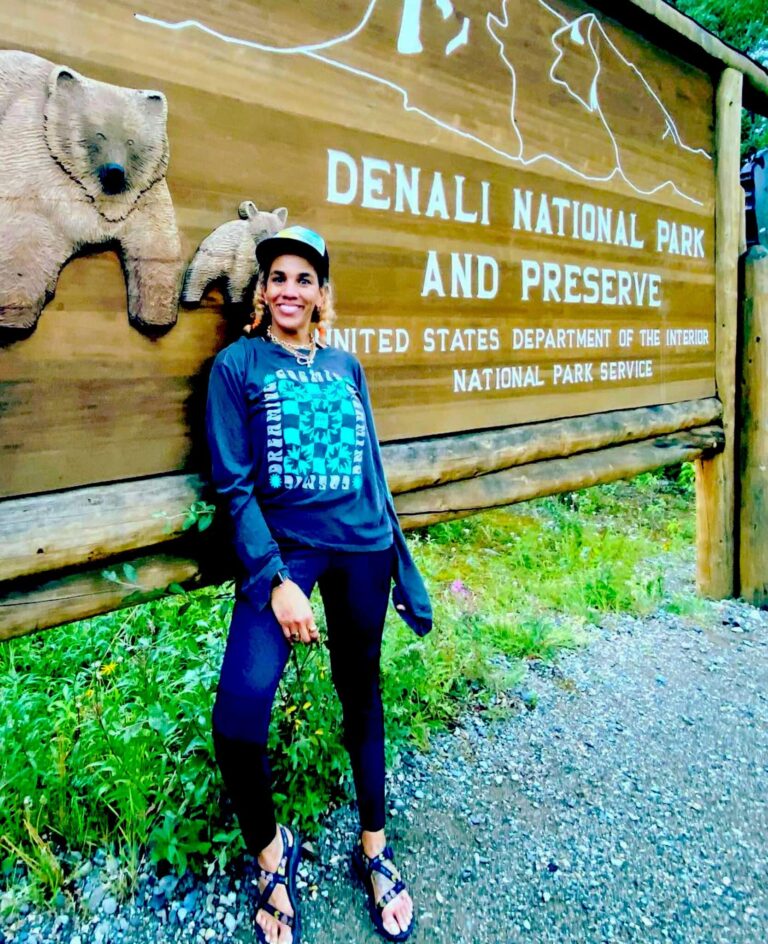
pixel 295 456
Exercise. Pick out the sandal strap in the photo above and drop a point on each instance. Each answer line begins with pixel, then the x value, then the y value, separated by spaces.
pixel 281 916
pixel 381 903
pixel 278 877
pixel 384 864
pixel 273 878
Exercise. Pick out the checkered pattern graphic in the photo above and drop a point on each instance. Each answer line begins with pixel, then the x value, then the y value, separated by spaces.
pixel 320 427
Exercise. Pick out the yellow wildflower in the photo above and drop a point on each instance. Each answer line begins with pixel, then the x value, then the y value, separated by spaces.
pixel 108 669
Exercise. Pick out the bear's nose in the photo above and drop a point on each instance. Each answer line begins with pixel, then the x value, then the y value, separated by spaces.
pixel 112 177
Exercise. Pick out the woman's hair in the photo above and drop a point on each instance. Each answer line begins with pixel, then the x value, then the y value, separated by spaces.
pixel 261 317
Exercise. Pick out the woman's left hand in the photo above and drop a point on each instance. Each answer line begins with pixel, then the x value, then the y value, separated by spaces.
pixel 293 612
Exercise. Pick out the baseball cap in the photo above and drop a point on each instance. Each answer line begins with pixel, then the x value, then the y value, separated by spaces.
pixel 296 241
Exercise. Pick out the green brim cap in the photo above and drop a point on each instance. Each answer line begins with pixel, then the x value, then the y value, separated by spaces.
pixel 295 241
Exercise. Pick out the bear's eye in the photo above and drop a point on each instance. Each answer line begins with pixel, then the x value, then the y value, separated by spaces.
pixel 100 136
pixel 129 142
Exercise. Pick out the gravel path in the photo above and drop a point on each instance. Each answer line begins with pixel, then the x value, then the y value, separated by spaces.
pixel 630 805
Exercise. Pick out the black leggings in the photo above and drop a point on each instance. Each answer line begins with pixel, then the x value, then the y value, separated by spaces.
pixel 355 590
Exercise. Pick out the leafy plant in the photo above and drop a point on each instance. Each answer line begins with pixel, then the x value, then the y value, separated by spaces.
pixel 198 515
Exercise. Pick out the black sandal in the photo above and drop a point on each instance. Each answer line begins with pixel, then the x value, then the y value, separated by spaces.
pixel 284 875
pixel 384 863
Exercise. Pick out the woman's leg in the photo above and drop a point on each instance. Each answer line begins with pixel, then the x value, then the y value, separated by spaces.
pixel 355 590
pixel 254 661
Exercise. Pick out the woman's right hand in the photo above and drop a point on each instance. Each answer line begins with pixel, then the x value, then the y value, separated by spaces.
pixel 293 612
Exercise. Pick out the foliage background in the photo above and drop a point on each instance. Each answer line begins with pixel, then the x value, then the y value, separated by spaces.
pixel 743 24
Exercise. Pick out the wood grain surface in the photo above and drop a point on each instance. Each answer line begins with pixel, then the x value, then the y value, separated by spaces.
pixel 56 530
pixel 522 483
pixel 550 100
pixel 39 602
pixel 716 483
pixel 753 438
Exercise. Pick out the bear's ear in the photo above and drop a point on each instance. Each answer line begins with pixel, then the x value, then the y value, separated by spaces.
pixel 155 103
pixel 247 210
pixel 282 214
pixel 64 81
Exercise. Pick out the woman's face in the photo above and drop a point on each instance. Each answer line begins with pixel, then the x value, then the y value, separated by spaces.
pixel 292 293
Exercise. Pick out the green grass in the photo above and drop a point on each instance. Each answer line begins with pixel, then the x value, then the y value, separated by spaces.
pixel 105 724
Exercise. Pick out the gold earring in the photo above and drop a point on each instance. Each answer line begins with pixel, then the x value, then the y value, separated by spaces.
pixel 258 314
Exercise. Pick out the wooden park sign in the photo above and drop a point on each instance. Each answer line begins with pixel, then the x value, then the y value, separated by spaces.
pixel 533 215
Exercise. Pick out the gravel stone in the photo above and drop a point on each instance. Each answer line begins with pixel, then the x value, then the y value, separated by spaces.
pixel 96 897
pixel 109 905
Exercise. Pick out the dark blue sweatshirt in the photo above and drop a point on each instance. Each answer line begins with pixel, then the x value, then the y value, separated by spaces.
pixel 295 456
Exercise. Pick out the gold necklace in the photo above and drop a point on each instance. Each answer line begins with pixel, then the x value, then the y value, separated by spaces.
pixel 304 360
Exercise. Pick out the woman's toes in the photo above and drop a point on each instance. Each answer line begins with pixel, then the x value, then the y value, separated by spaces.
pixel 403 913
pixel 389 920
pixel 285 934
pixel 268 926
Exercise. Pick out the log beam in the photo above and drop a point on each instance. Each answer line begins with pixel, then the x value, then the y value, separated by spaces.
pixel 443 459
pixel 458 499
pixel 49 532
pixel 716 476
pixel 56 600
pixel 51 602
pixel 81 525
pixel 753 443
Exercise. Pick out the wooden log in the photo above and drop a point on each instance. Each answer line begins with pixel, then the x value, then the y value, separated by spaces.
pixel 61 599
pixel 60 529
pixel 79 526
pixel 87 593
pixel 715 477
pixel 458 499
pixel 753 511
pixel 423 463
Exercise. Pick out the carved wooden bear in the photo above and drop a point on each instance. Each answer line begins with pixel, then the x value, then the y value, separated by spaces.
pixel 82 163
pixel 228 254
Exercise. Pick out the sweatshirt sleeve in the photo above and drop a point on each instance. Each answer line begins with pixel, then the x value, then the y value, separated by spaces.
pixel 232 470
pixel 409 594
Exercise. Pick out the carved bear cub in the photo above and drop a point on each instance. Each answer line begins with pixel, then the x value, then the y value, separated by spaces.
pixel 228 254
pixel 82 163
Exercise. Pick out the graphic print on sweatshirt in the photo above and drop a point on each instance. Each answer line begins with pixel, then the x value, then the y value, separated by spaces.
pixel 315 430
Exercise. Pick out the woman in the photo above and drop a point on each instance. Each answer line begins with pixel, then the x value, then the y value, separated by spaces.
pixel 295 456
